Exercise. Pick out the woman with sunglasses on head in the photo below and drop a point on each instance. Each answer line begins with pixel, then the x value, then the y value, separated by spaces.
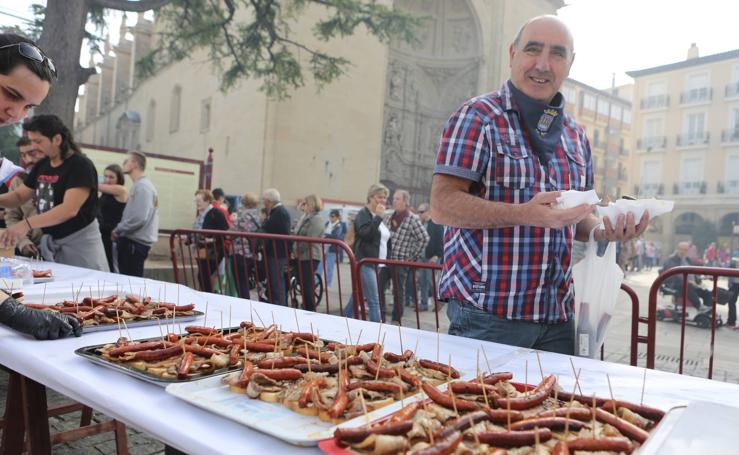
pixel 25 78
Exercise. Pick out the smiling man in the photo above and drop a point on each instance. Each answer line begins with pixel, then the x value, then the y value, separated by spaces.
pixel 504 157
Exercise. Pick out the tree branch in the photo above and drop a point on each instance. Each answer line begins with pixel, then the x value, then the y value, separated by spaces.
pixel 84 74
pixel 136 7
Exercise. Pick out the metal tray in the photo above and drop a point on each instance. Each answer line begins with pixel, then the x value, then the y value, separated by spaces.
pixel 90 353
pixel 140 323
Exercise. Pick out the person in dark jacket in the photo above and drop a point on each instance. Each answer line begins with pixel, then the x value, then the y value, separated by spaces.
pixel 276 252
pixel 371 240
pixel 432 254
pixel 209 251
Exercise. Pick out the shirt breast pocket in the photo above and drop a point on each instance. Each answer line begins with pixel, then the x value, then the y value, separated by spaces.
pixel 513 167
pixel 577 170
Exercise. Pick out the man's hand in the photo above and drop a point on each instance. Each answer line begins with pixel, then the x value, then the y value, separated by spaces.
pixel 10 236
pixel 114 236
pixel 625 228
pixel 380 210
pixel 539 211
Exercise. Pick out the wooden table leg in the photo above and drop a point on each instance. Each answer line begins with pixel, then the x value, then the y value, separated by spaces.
pixel 36 418
pixel 12 440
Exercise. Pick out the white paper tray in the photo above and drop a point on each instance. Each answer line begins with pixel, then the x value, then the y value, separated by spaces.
pixel 699 427
pixel 273 419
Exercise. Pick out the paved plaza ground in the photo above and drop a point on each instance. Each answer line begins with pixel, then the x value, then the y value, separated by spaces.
pixel 697 350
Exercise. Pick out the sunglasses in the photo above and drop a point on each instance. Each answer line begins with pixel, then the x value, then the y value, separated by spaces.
pixel 32 52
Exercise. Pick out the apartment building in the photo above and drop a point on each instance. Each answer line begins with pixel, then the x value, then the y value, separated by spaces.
pixel 686 143
pixel 606 117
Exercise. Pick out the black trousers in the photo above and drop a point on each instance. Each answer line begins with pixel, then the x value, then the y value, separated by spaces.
pixel 131 257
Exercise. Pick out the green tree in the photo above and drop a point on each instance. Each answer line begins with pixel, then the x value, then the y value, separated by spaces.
pixel 704 233
pixel 245 39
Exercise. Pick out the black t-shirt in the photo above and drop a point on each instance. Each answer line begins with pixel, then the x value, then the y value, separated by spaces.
pixel 50 184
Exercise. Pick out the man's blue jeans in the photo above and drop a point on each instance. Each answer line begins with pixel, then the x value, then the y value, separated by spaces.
pixel 369 289
pixel 468 321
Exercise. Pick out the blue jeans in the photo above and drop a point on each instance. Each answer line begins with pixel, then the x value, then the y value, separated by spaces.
pixel 276 271
pixel 468 321
pixel 369 289
pixel 330 264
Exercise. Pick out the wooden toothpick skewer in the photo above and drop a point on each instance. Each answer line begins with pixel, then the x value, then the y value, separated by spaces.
pixel 229 315
pixel 359 336
pixel 118 321
pixel 348 331
pixel 477 364
pixel 126 327
pixel 364 407
pixel 536 439
pixel 273 319
pixel 205 317
pixel 610 389
pixel 572 364
pixel 541 370
pixel 297 324
pixel 415 349
pixel 485 355
pixel 43 296
pixel 379 329
pixel 400 336
pixel 260 318
pixel 484 392
pixel 593 416
pixel 160 329
pixel 451 395
pixel 508 408
pixel 526 378
pixel 643 384
pixel 437 344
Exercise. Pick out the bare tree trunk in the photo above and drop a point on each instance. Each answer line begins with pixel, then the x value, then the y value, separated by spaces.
pixel 61 39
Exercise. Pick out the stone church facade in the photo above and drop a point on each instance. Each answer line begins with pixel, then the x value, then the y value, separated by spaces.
pixel 379 122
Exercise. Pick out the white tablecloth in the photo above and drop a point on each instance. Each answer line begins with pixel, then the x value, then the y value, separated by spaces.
pixel 149 408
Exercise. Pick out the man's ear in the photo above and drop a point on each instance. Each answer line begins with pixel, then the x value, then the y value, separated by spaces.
pixel 511 51
pixel 57 140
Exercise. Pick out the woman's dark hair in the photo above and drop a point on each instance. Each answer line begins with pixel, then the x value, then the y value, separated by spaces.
pixel 50 125
pixel 119 178
pixel 10 57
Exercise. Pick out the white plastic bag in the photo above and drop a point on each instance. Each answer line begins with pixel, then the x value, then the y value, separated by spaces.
pixel 597 282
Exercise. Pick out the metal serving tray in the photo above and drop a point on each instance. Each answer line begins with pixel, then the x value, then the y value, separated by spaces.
pixel 90 353
pixel 140 323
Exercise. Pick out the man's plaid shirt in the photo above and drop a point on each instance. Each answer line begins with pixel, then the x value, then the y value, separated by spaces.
pixel 520 272
pixel 409 240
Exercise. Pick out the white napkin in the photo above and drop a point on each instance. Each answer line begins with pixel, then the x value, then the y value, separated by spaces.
pixel 572 198
pixel 653 206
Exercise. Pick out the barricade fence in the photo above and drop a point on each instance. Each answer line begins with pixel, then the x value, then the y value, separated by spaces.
pixel 285 269
pixel 683 290
pixel 276 268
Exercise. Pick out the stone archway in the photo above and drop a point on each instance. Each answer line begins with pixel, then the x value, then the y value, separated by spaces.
pixel 425 83
pixel 727 223
pixel 686 222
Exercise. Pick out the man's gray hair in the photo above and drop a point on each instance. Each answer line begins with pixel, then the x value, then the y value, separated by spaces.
pixel 272 195
pixel 405 195
pixel 517 38
pixel 423 207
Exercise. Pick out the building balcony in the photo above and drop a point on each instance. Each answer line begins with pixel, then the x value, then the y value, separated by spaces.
pixel 732 90
pixel 730 135
pixel 652 143
pixel 646 190
pixel 696 95
pixel 696 138
pixel 689 188
pixel 655 102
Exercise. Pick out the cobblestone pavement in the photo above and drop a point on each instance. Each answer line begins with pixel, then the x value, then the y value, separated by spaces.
pixel 697 349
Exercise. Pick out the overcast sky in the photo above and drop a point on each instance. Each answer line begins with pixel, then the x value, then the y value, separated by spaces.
pixel 611 36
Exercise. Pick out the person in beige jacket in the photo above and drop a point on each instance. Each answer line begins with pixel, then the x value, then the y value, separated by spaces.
pixel 29 156
pixel 308 256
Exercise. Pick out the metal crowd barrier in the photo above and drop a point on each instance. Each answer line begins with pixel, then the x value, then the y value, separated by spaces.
pixel 713 272
pixel 197 256
pixel 388 272
pixel 239 263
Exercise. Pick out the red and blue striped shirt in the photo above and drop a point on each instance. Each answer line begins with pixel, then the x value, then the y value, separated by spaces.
pixel 521 272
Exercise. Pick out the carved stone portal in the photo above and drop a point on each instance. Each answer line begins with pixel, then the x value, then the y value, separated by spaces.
pixel 426 82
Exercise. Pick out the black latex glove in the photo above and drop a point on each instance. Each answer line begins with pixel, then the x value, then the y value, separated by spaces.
pixel 43 325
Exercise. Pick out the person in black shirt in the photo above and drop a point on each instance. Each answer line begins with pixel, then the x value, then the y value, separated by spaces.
pixel 276 251
pixel 209 251
pixel 65 185
pixel 113 199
